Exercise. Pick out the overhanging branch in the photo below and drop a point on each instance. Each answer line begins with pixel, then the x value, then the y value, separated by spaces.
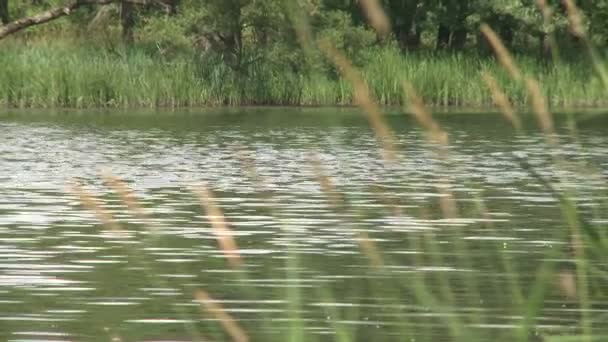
pixel 65 10
pixel 47 16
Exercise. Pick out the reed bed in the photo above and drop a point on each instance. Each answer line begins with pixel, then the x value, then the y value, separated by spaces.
pixel 66 74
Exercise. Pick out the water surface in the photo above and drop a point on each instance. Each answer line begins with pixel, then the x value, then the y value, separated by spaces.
pixel 63 277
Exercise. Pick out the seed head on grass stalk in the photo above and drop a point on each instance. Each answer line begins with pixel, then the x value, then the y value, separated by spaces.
pixel 567 284
pixel 300 21
pixel 327 186
pixel 438 136
pixel 539 106
pixel 547 13
pixel 502 53
pixel 386 200
pixel 376 17
pixel 94 205
pixel 222 232
pixel 502 101
pixel 574 19
pixel 248 166
pixel 336 200
pixel 291 261
pixel 576 26
pixel 571 215
pixel 228 322
pixel 127 197
pixel 538 101
pixel 364 99
pixel 545 10
pixel 424 117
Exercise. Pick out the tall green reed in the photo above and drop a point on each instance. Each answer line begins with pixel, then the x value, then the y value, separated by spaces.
pixel 67 74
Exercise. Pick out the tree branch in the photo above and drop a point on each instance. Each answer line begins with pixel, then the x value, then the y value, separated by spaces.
pixel 47 16
pixel 65 10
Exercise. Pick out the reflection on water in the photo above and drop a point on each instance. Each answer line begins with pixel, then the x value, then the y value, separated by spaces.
pixel 62 278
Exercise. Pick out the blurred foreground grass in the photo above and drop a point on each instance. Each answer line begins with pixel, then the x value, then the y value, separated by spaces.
pixel 415 305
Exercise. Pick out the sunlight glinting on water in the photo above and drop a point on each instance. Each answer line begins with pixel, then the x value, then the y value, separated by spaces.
pixel 59 265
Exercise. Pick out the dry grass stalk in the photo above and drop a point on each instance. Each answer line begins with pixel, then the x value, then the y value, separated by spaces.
pixel 364 99
pixel 447 202
pixel 539 103
pixel 567 284
pixel 248 166
pixel 578 29
pixel 545 10
pixel 228 322
pixel 483 211
pixel 424 117
pixel 387 200
pixel 327 186
pixel 436 134
pixel 299 13
pixel 369 248
pixel 575 19
pixel 501 52
pixel 502 101
pixel 259 183
pixel 539 106
pixel 126 195
pixel 376 17
pixel 222 232
pixel 93 205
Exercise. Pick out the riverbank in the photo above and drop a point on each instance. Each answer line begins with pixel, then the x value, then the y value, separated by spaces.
pixel 60 74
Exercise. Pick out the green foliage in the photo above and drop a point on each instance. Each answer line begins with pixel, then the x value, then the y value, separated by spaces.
pixel 240 31
pixel 247 52
pixel 338 27
pixel 168 36
pixel 68 74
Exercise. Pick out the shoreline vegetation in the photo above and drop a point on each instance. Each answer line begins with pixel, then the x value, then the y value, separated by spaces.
pixel 67 75
pixel 191 53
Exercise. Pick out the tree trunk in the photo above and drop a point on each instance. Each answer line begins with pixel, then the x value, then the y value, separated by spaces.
pixel 408 37
pixel 238 48
pixel 443 37
pixel 405 17
pixel 506 34
pixel 237 40
pixel 4 17
pixel 459 39
pixel 545 51
pixel 413 41
pixel 401 33
pixel 127 21
pixel 172 7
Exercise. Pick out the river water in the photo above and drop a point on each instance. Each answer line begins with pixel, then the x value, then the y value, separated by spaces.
pixel 309 268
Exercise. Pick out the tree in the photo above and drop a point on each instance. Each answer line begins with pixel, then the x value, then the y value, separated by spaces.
pixel 70 6
pixel 406 19
pixel 596 12
pixel 49 15
pixel 127 20
pixel 4 17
